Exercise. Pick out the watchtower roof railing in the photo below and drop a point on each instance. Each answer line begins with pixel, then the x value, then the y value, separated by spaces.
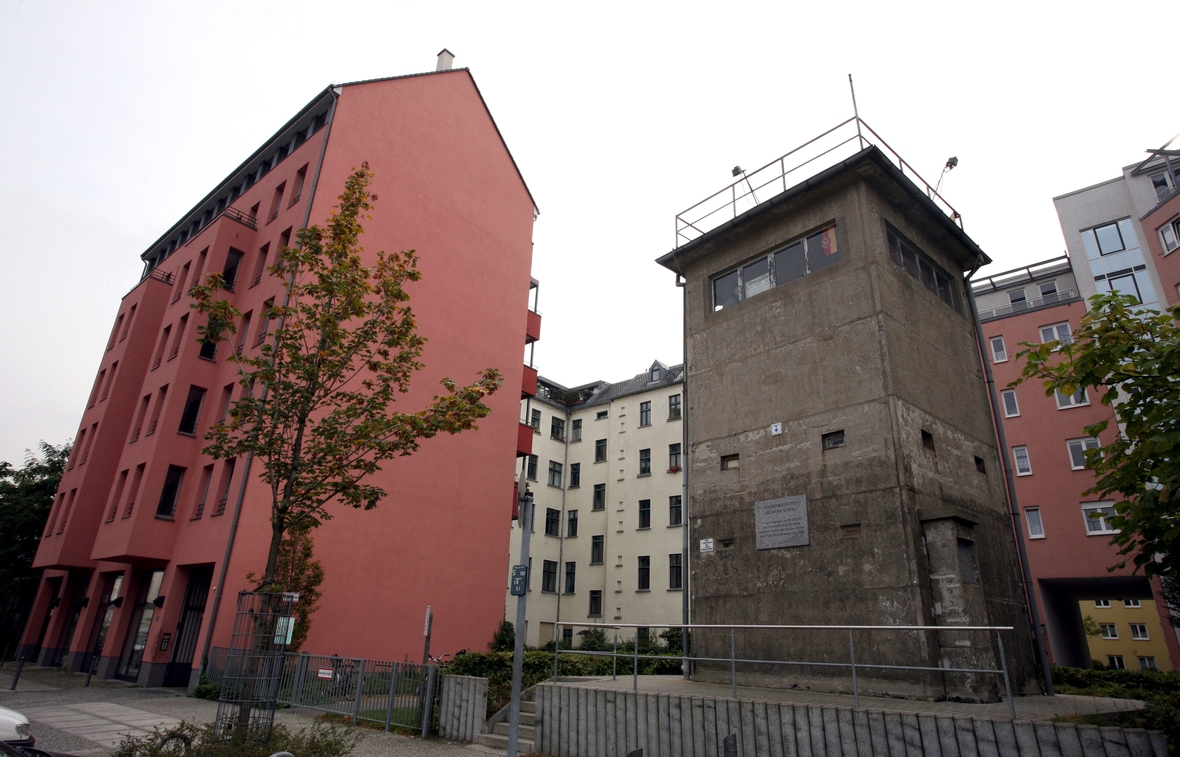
pixel 755 187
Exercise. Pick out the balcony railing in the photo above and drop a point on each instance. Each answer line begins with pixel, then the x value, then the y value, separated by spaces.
pixel 241 217
pixel 755 187
pixel 1066 295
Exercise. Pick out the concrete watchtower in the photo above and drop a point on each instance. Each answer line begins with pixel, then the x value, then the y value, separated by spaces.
pixel 843 460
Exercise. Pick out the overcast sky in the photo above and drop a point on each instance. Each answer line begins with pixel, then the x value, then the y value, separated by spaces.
pixel 120 116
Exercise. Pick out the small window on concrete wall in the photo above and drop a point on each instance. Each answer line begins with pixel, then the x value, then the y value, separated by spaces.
pixel 967 564
pixel 834 440
pixel 927 440
pixel 730 462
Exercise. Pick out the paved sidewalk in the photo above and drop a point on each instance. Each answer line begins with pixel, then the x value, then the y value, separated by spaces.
pixel 104 723
pixel 1034 708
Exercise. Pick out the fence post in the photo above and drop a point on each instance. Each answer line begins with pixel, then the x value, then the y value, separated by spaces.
pixel 300 674
pixel 1007 683
pixel 428 709
pixel 852 657
pixel 556 648
pixel 732 665
pixel 614 660
pixel 635 665
pixel 360 686
pixel 392 695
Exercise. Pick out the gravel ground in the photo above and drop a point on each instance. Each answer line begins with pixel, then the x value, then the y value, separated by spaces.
pixel 67 690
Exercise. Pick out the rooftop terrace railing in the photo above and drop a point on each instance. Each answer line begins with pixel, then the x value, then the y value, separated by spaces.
pixel 852 665
pixel 1034 303
pixel 755 187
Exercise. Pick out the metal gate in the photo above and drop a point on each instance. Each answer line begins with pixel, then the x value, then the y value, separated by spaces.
pixel 195 595
pixel 398 694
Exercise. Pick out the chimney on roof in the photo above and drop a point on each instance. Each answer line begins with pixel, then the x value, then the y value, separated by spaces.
pixel 445 59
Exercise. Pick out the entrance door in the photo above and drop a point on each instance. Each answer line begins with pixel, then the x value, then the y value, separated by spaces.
pixel 195 595
pixel 112 582
pixel 141 623
pixel 79 583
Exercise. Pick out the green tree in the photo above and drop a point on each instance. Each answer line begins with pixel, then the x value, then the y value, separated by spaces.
pixel 298 571
pixel 26 496
pixel 1130 358
pixel 317 402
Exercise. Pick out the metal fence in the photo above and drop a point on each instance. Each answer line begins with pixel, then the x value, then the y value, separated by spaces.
pixel 733 660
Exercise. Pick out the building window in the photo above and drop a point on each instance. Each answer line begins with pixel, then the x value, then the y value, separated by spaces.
pixel 1036 529
pixel 967 565
pixel 549 576
pixel 927 440
pixel 655 374
pixel 192 410
pixel 1109 631
pixel 600 451
pixel 833 440
pixel 1020 456
pixel 999 352
pixel 645 413
pixel 597 547
pixel 1115 661
pixel 1098 517
pixel 531 472
pixel 230 272
pixel 1109 238
pixel 575 475
pixel 645 462
pixel 1102 604
pixel 601 415
pixel 1132 603
pixel 599 497
pixel 674 407
pixel 1077 451
pixel 1147 663
pixel 644 583
pixel 785 264
pixel 1056 332
pixel 675 510
pixel 1071 400
pixel 172 482
pixel 645 513
pixel 552 522
pixel 576 431
pixel 535 421
pixel 571 524
pixel 675 578
pixel 555 473
pixel 595 603
pixel 1139 631
pixel 919 266
pixel 730 462
pixel 571 569
pixel 557 429
pixel 1018 300
pixel 1011 407
pixel 1170 235
pixel 673 457
pixel 980 465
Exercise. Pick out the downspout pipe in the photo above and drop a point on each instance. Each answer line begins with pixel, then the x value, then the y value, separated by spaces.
pixel 1010 489
pixel 685 512
pixel 233 529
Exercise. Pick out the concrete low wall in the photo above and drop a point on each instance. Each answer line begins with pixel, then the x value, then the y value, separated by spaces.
pixel 577 722
pixel 463 707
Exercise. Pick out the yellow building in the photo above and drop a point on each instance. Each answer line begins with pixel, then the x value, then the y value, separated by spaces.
pixel 1129 634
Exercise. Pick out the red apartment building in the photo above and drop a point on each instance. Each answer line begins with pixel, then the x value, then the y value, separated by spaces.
pixel 149 542
pixel 1069 552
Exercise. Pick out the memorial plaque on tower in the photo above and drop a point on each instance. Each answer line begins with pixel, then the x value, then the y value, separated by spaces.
pixel 781 522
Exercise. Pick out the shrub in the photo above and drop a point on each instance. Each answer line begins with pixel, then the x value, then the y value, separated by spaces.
pixel 1161 692
pixel 206 690
pixel 194 740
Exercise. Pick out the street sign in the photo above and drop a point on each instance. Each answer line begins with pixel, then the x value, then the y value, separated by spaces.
pixel 324 674
pixel 284 630
pixel 706 545
pixel 520 580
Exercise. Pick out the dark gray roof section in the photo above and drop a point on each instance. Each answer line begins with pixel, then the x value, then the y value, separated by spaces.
pixel 636 385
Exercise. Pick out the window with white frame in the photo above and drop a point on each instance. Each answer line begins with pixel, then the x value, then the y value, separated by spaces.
pixel 1139 631
pixel 999 351
pixel 1018 300
pixel 1115 661
pixel 1109 630
pixel 1102 604
pixel 1098 515
pixel 1077 451
pixel 1020 457
pixel 1170 235
pixel 1011 407
pixel 1056 331
pixel 1036 529
pixel 1076 399
pixel 555 471
pixel 1132 603
pixel 1147 663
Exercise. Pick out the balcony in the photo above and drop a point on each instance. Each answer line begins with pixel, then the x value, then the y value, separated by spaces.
pixel 528 383
pixel 1034 303
pixel 241 217
pixel 532 330
pixel 524 440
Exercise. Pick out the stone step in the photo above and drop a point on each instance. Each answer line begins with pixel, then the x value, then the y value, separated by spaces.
pixel 529 707
pixel 526 731
pixel 496 741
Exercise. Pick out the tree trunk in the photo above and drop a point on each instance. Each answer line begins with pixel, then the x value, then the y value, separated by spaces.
pixel 277 529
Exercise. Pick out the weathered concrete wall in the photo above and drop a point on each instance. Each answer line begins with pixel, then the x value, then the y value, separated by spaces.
pixel 573 722
pixel 862 347
pixel 463 707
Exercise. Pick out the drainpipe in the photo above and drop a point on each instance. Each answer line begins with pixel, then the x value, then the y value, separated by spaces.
pixel 685 513
pixel 1010 489
pixel 561 532
pixel 233 529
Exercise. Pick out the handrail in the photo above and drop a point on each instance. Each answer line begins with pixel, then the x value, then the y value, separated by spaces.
pixel 750 625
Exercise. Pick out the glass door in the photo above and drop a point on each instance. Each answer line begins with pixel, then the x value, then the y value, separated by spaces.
pixel 142 615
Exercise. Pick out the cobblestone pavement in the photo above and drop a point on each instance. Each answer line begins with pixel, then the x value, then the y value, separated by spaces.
pixel 89 721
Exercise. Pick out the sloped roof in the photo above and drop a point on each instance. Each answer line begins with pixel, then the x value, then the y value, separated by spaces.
pixel 636 385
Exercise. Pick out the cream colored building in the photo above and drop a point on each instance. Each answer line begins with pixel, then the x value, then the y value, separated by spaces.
pixel 1129 634
pixel 607 479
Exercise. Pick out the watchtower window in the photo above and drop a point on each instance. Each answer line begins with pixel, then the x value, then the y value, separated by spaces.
pixel 920 266
pixel 798 258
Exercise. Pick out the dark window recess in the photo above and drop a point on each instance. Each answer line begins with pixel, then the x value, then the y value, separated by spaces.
pixel 230 272
pixel 552 522
pixel 571 569
pixel 167 506
pixel 967 562
pixel 601 415
pixel 531 472
pixel 576 431
pixel 674 457
pixel 645 413
pixel 192 409
pixel 571 524
pixel 645 513
pixel 674 577
pixel 595 603
pixel 208 351
pixel 834 439
pixel 567 637
pixel 644 573
pixel 645 462
pixel 597 544
pixel 599 497
pixel 675 510
pixel 919 266
pixel 927 439
pixel 674 407
pixel 979 465
pixel 557 429
pixel 600 451
pixel 575 475
pixel 549 576
pixel 730 462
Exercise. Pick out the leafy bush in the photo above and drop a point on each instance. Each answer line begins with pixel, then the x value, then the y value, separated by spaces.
pixel 192 740
pixel 1161 692
pixel 206 690
pixel 504 639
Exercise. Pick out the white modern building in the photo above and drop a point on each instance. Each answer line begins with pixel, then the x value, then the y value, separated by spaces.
pixel 607 477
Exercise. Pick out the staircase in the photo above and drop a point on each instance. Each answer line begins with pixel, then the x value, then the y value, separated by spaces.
pixel 498 738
